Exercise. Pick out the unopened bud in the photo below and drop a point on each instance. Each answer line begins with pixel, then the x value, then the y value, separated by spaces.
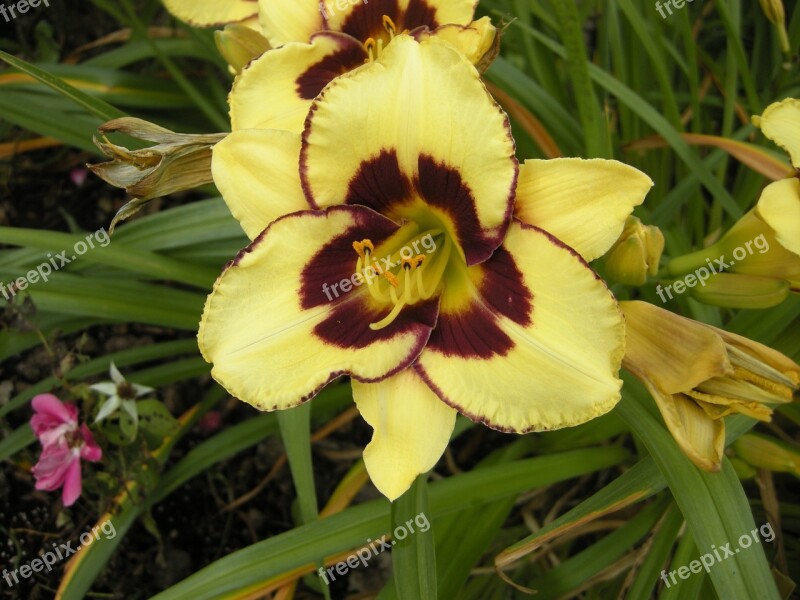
pixel 768 453
pixel 731 290
pixel 240 44
pixel 636 253
pixel 776 13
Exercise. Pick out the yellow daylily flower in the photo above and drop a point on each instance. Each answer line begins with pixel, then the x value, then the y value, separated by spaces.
pixel 211 13
pixel 765 243
pixel 314 43
pixel 407 270
pixel 698 374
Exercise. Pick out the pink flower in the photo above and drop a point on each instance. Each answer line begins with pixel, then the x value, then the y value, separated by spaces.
pixel 64 444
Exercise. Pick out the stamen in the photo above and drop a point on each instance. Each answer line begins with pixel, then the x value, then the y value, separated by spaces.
pixel 361 267
pixel 359 247
pixel 409 289
pixel 389 26
pixel 390 278
pixel 370 47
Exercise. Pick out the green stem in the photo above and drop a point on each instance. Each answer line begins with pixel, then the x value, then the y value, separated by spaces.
pixel 592 119
pixel 680 265
pixel 413 553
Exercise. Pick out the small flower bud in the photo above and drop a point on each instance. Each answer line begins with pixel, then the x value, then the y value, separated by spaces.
pixel 768 453
pixel 636 254
pixel 742 291
pixel 777 15
pixel 240 44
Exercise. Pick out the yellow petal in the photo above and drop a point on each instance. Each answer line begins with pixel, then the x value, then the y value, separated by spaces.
pixel 257 172
pixel 424 121
pixel 779 207
pixel 760 359
pixel 275 91
pixel 478 41
pixel 532 341
pixel 673 352
pixel 781 123
pixel 207 13
pixel 584 203
pixel 411 430
pixel 285 21
pixel 700 437
pixel 276 327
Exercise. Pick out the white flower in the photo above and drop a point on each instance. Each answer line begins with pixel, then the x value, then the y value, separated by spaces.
pixel 120 394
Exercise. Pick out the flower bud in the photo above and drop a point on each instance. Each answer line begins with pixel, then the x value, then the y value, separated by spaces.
pixel 777 15
pixel 768 453
pixel 240 44
pixel 730 290
pixel 636 253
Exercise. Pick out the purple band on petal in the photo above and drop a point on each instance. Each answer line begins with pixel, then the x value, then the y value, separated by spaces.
pixel 380 184
pixel 474 332
pixel 419 13
pixel 336 261
pixel 441 186
pixel 348 324
pixel 350 55
pixel 366 20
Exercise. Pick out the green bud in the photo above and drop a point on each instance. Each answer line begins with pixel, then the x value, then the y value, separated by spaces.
pixel 239 44
pixel 777 15
pixel 768 453
pixel 731 290
pixel 636 253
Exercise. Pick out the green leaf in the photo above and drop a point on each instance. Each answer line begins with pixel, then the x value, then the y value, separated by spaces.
pixel 302 546
pixel 155 422
pixel 295 426
pixel 94 106
pixel 713 504
pixel 114 254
